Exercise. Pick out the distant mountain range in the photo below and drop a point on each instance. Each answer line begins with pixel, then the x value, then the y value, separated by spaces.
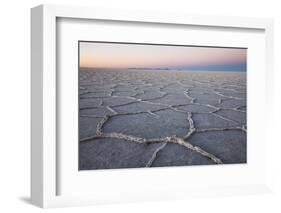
pixel 146 68
pixel 238 67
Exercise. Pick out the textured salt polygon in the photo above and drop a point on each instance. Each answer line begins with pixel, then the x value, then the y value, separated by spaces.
pixel 115 101
pixel 125 93
pixel 88 103
pixel 195 108
pixel 229 146
pixel 95 95
pixel 87 126
pixel 162 124
pixel 121 88
pixel 174 89
pixel 234 115
pixel 114 153
pixel 172 99
pixel 150 94
pixel 208 120
pixel 233 93
pixel 232 103
pixel 99 112
pixel 175 155
pixel 161 118
pixel 138 107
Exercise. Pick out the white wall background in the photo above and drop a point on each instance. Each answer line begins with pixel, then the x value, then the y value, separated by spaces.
pixel 15 99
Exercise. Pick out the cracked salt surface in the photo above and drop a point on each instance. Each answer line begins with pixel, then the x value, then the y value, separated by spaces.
pixel 131 119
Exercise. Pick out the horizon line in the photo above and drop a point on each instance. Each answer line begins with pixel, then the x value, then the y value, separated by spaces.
pixel 161 69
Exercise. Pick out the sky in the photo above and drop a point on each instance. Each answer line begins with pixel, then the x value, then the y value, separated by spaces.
pixel 124 55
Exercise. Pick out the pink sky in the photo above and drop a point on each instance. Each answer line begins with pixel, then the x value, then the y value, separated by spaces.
pixel 115 55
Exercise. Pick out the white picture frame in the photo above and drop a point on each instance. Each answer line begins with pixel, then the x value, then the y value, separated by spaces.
pixel 44 149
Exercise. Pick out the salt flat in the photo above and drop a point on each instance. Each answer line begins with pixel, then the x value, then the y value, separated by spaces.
pixel 151 118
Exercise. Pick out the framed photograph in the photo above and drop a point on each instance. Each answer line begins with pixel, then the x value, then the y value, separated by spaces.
pixel 130 106
pixel 155 105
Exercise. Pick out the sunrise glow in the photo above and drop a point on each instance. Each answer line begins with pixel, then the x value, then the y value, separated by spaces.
pixel 122 55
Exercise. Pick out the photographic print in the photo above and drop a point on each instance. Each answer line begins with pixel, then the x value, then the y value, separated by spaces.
pixel 158 105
